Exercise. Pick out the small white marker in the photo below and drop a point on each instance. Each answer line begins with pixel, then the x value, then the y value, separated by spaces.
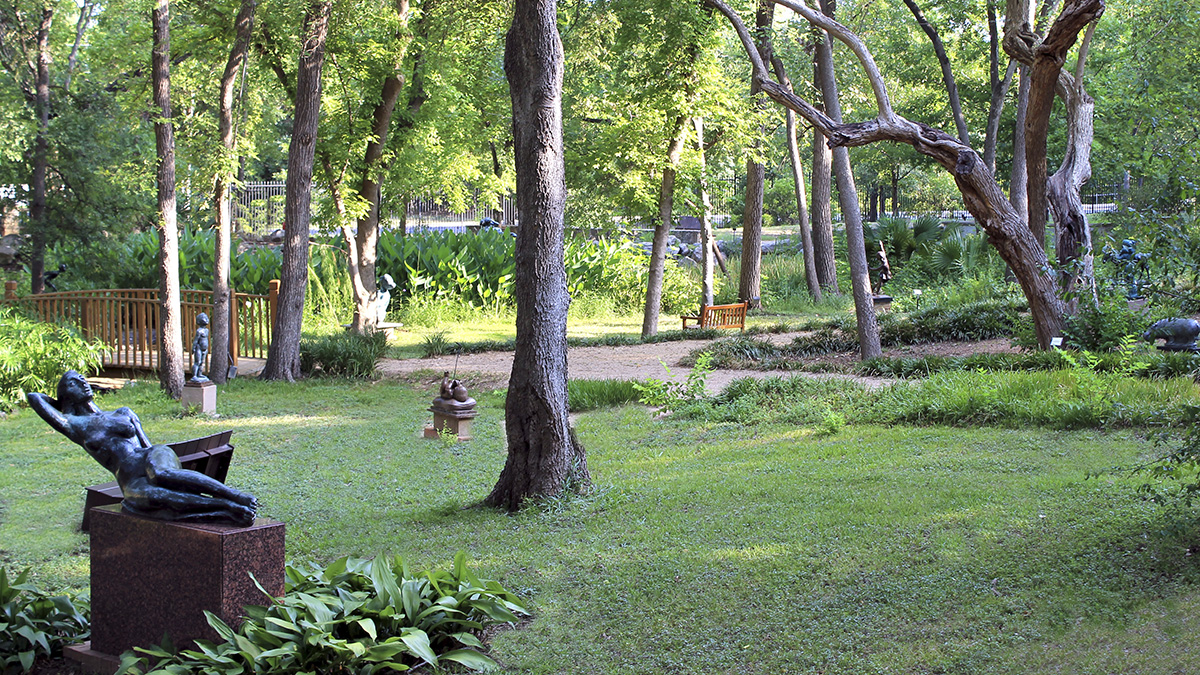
pixel 1055 342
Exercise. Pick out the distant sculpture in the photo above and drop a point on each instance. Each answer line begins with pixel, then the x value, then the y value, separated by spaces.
pixel 153 482
pixel 383 297
pixel 1180 334
pixel 200 348
pixel 452 396
pixel 49 277
pixel 1132 264
pixel 880 269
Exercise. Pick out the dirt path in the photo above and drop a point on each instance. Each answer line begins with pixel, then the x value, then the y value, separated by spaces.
pixel 600 363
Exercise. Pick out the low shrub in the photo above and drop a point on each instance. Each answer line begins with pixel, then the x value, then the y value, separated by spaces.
pixel 670 395
pixel 592 394
pixel 35 624
pixel 35 354
pixel 343 354
pixel 359 616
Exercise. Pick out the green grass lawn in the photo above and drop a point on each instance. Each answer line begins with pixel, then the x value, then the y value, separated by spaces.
pixel 705 548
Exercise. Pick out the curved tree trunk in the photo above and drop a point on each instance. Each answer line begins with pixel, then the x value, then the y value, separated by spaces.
pixel 662 229
pixel 1074 234
pixel 170 339
pixel 981 194
pixel 999 88
pixel 283 356
pixel 860 276
pixel 806 237
pixel 218 367
pixel 544 456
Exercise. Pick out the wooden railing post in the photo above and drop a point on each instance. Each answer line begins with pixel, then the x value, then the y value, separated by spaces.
pixel 10 291
pixel 233 327
pixel 273 301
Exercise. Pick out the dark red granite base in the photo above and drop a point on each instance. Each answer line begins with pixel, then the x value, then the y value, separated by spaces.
pixel 92 661
pixel 152 578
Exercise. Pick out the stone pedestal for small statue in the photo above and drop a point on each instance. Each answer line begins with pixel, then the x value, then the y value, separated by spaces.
pixel 154 577
pixel 201 394
pixel 452 411
pixel 455 422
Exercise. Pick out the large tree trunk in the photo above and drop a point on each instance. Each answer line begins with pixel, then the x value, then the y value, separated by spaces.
pixel 981 194
pixel 860 276
pixel 1074 235
pixel 362 245
pixel 662 229
pixel 750 280
pixel 707 243
pixel 283 357
pixel 1045 58
pixel 947 72
pixel 806 238
pixel 544 456
pixel 37 206
pixel 218 360
pixel 170 336
pixel 822 199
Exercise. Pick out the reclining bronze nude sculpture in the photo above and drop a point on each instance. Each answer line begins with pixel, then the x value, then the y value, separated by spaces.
pixel 152 481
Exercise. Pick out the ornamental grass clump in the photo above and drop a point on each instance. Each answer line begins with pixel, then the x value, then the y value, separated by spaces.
pixel 343 354
pixel 354 616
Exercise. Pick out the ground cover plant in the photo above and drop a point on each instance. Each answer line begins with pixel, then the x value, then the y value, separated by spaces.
pixel 708 545
pixel 34 354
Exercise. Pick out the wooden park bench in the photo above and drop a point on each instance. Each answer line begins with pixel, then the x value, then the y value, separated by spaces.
pixel 209 455
pixel 719 316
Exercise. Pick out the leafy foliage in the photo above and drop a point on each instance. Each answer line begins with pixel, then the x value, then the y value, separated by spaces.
pixel 670 395
pixel 34 354
pixel 356 615
pixel 343 354
pixel 34 624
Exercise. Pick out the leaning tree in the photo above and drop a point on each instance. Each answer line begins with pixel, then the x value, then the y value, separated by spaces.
pixel 1006 230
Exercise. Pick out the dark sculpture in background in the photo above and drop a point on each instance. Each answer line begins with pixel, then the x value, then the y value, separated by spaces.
pixel 452 395
pixel 200 348
pixel 1133 266
pixel 152 481
pixel 49 277
pixel 1180 334
pixel 383 297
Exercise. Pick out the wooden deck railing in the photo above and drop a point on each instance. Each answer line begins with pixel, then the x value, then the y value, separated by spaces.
pixel 126 321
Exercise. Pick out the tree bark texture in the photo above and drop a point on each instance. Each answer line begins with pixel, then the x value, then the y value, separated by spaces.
pixel 806 238
pixel 860 276
pixel 708 243
pixel 37 206
pixel 981 194
pixel 1045 58
pixel 939 50
pixel 544 456
pixel 822 201
pixel 283 357
pixel 170 338
pixel 1018 195
pixel 998 86
pixel 750 280
pixel 218 360
pixel 662 229
pixel 362 244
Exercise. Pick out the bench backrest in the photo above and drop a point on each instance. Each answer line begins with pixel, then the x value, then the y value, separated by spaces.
pixel 724 316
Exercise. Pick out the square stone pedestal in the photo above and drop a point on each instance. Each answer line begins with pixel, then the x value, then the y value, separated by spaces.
pixel 152 578
pixel 202 395
pixel 457 423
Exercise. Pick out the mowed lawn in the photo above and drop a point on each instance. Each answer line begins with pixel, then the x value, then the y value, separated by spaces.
pixel 703 548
